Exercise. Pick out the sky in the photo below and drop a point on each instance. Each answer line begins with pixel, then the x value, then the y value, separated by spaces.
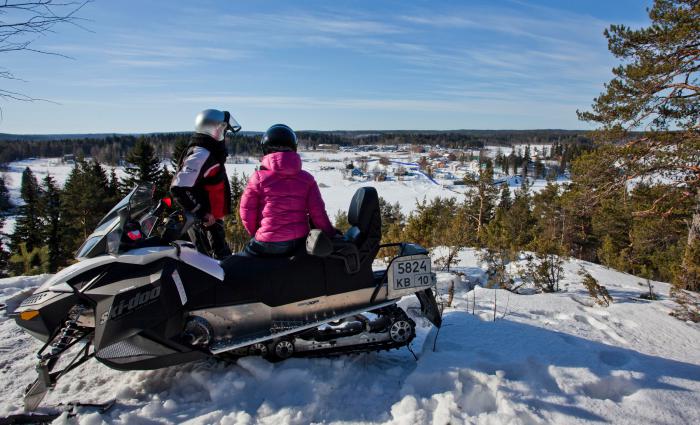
pixel 150 66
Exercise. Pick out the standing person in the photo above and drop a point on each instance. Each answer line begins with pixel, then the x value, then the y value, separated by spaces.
pixel 200 184
pixel 281 199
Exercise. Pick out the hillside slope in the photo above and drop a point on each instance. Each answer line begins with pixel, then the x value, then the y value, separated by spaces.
pixel 548 358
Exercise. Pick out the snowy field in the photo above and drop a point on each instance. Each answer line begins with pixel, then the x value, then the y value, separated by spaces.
pixel 548 358
pixel 325 167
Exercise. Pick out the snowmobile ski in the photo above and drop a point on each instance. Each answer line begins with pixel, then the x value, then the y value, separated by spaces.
pixel 54 413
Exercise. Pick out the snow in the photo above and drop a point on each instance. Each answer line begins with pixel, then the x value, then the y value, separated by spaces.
pixel 336 191
pixel 547 358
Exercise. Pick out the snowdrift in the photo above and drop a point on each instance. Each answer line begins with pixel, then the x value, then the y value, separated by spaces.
pixel 548 358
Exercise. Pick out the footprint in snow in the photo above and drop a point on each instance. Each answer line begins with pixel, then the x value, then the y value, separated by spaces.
pixel 614 358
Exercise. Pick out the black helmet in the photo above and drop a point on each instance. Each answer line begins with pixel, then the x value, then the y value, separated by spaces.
pixel 279 138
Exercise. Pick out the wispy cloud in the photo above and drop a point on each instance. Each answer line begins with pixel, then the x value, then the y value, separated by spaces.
pixel 453 61
pixel 321 23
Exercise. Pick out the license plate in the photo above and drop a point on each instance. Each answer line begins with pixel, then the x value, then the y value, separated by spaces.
pixel 411 273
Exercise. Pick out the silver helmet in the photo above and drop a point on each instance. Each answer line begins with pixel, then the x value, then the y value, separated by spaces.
pixel 215 123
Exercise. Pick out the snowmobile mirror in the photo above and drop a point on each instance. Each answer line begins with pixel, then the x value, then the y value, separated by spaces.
pixel 318 244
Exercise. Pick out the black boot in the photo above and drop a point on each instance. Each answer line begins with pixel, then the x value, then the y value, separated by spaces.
pixel 217 240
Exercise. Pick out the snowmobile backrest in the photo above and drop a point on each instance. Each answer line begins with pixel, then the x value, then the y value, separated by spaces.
pixel 318 244
pixel 366 222
pixel 362 208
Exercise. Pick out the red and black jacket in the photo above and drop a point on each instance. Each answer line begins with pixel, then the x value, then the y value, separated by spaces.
pixel 200 184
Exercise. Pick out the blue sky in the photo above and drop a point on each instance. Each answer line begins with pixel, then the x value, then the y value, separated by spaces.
pixel 149 66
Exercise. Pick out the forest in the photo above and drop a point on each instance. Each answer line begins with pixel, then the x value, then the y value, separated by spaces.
pixel 112 149
pixel 558 222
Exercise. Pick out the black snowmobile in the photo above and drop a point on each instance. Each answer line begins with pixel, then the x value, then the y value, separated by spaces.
pixel 140 297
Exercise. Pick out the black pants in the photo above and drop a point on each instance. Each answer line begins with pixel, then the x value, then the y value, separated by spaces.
pixel 257 248
pixel 217 239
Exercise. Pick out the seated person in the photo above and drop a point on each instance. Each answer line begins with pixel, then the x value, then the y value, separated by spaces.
pixel 281 198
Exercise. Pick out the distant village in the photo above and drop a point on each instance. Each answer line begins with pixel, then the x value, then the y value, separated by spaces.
pixel 443 166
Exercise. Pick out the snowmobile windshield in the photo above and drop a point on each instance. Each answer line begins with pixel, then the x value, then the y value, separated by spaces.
pixel 105 239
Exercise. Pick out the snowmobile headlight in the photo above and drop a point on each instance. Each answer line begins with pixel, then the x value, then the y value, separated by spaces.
pixel 28 315
pixel 37 298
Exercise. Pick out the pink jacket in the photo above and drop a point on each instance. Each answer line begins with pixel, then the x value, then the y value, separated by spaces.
pixel 280 199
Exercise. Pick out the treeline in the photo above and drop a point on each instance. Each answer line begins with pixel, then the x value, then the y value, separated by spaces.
pixel 457 139
pixel 112 149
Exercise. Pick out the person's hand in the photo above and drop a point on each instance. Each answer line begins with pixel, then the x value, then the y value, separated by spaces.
pixel 208 220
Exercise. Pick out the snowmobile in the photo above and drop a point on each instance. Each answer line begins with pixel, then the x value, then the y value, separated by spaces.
pixel 142 297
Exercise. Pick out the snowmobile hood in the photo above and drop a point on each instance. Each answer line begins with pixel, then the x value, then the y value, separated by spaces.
pixel 139 257
pixel 74 270
pixel 287 163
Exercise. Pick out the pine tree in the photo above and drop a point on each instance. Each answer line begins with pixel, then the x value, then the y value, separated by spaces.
pixel 505 202
pixel 85 199
pixel 4 255
pixel 52 225
pixel 545 268
pixel 391 216
pixel 482 199
pixel 178 152
pixel 5 207
pixel 524 186
pixel 27 228
pixel 113 187
pixel 539 168
pixel 5 203
pixel 143 166
pixel 163 183
pixel 236 234
pixel 656 89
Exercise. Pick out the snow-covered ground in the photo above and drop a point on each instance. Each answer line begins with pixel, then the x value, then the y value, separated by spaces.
pixel 548 358
pixel 325 167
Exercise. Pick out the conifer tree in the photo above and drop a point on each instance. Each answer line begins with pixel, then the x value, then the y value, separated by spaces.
pixel 113 185
pixel 483 200
pixel 163 183
pixel 51 223
pixel 143 166
pixel 539 168
pixel 179 151
pixel 656 89
pixel 505 202
pixel 236 234
pixel 4 255
pixel 5 206
pixel 5 203
pixel 27 228
pixel 85 200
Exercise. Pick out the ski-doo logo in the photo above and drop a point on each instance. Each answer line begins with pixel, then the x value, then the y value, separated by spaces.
pixel 127 306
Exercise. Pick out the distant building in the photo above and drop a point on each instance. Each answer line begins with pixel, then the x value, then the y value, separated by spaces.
pixel 326 147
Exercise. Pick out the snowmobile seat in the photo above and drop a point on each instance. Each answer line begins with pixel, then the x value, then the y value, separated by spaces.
pixel 274 281
pixel 277 281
